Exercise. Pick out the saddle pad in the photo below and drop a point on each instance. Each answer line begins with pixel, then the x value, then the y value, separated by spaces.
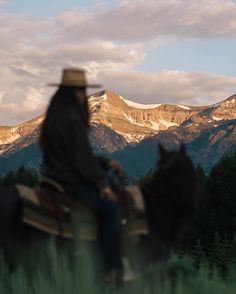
pixel 37 215
pixel 84 222
pixel 40 216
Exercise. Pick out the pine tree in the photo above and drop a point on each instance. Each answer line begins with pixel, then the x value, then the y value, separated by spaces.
pixel 198 254
pixel 23 175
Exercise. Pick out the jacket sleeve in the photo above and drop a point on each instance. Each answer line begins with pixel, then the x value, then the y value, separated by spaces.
pixel 83 160
pixel 104 162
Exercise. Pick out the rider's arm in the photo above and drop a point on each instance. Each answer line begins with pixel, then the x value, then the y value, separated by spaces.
pixel 103 161
pixel 84 161
pixel 110 163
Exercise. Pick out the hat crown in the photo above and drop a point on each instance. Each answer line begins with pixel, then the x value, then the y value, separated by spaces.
pixel 74 77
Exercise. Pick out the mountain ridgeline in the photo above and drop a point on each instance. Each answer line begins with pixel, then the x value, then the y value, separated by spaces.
pixel 130 131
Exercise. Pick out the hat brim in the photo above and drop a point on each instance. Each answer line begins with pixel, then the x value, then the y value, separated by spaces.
pixel 74 85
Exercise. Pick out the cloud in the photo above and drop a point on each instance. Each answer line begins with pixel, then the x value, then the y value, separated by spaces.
pixel 143 20
pixel 191 88
pixel 22 103
pixel 30 59
pixel 109 42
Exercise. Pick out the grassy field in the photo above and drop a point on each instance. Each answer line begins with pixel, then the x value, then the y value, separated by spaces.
pixel 55 275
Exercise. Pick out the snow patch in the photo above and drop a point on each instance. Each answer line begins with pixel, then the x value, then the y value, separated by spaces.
pixel 184 107
pixel 139 105
pixel 131 138
pixel 155 126
pixel 217 118
pixel 133 121
pixel 95 101
pixel 167 124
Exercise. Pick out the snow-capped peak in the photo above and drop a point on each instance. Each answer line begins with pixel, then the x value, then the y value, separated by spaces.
pixel 139 105
pixel 96 100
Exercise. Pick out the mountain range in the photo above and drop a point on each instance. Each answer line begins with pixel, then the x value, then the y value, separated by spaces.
pixel 130 131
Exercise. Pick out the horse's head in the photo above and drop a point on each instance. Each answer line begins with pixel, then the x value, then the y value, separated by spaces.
pixel 175 175
pixel 169 159
pixel 170 191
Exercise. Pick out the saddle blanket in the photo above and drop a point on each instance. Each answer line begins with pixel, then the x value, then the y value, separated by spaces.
pixel 43 216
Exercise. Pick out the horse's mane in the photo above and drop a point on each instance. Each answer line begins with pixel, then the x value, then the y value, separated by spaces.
pixel 174 181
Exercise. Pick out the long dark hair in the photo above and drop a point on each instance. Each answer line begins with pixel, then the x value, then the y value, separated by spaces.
pixel 63 100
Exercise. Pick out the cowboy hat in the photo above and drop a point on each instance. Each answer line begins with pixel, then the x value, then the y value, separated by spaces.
pixel 74 78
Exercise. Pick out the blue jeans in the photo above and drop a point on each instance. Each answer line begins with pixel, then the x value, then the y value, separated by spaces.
pixel 109 216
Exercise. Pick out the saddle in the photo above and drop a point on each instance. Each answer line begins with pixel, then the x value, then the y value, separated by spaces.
pixel 49 209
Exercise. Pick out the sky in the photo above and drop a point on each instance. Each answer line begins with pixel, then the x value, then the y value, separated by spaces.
pixel 148 51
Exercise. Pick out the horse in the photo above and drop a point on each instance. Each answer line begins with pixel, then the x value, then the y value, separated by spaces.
pixel 167 199
pixel 170 196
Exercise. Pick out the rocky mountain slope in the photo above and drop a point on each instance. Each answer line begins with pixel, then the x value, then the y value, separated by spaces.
pixel 18 137
pixel 130 131
pixel 110 113
pixel 205 149
pixel 137 121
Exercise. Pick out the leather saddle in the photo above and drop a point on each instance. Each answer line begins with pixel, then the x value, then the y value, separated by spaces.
pixel 47 208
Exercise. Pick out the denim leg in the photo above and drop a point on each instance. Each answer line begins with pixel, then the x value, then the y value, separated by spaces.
pixel 109 216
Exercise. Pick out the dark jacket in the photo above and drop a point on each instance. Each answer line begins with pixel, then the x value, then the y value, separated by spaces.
pixel 68 157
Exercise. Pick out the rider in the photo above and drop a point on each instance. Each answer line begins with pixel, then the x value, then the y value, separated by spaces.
pixel 68 159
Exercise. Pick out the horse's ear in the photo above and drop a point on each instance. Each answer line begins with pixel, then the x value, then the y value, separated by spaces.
pixel 182 149
pixel 162 150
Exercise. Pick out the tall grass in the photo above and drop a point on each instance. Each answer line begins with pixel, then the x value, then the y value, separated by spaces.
pixel 56 274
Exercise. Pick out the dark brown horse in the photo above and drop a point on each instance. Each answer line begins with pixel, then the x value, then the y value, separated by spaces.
pixel 170 201
pixel 168 197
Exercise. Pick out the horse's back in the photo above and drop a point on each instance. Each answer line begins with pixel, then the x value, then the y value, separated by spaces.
pixel 10 211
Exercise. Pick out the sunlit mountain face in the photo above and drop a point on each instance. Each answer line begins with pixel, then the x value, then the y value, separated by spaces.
pixel 128 130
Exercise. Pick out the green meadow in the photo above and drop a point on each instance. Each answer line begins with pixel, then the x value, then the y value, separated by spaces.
pixel 55 275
